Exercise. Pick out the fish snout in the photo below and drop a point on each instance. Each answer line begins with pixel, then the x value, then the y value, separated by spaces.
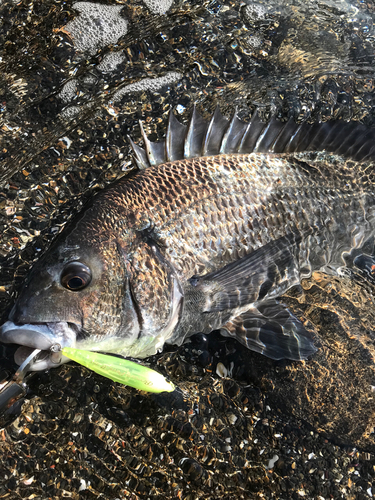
pixel 24 310
pixel 45 336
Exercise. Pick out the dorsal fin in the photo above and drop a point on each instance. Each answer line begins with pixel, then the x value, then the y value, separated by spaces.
pixel 215 132
pixel 222 136
pixel 175 138
pixel 195 135
pixel 155 151
pixel 233 135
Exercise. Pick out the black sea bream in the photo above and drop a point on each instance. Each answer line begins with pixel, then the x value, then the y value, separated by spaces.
pixel 220 220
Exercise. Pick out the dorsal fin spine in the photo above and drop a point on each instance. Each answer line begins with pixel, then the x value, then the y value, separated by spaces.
pixel 233 135
pixel 139 155
pixel 175 138
pixel 214 134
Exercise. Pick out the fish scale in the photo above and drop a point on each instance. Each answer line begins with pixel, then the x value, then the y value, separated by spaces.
pixel 185 236
pixel 220 220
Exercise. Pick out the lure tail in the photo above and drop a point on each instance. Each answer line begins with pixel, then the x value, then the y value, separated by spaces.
pixel 120 370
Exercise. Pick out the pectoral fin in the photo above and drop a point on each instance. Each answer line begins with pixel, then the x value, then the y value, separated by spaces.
pixel 271 329
pixel 255 281
pixel 267 272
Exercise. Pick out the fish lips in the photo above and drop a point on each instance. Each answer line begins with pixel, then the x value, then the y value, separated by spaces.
pixel 39 336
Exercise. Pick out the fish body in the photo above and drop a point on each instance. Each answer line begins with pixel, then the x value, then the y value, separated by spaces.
pixel 220 220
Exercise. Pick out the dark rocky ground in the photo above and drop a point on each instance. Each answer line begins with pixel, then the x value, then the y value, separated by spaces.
pixel 239 425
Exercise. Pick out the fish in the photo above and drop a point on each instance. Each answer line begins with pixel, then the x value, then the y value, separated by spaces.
pixel 217 222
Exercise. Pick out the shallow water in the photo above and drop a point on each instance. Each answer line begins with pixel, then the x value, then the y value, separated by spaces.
pixel 74 82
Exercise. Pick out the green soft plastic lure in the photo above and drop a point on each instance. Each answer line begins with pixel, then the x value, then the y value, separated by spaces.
pixel 120 370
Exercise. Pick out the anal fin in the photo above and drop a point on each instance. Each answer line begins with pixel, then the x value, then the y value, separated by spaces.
pixel 270 328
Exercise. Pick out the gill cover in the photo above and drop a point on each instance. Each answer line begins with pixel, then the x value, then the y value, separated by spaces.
pixel 155 290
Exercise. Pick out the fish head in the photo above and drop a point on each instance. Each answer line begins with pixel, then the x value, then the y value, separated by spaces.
pixel 95 290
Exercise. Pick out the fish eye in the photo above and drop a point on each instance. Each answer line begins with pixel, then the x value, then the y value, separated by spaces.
pixel 75 276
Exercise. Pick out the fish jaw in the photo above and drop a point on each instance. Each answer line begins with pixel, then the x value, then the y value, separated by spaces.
pixel 39 336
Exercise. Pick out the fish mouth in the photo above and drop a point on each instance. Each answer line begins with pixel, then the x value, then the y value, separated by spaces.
pixel 49 337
